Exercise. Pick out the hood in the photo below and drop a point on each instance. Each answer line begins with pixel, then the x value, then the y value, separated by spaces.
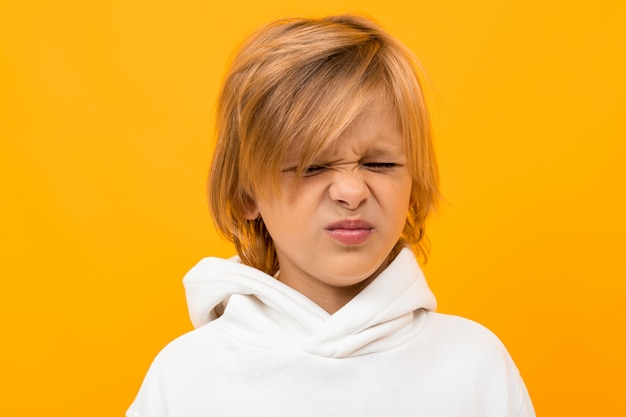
pixel 387 313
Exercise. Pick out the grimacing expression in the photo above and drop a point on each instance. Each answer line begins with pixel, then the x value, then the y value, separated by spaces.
pixel 334 227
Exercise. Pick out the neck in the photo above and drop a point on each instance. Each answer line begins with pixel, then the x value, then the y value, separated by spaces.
pixel 333 299
pixel 328 296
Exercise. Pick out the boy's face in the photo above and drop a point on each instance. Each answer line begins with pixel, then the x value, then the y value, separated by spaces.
pixel 334 229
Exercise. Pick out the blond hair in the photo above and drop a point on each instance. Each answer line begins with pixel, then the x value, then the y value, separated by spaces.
pixel 299 83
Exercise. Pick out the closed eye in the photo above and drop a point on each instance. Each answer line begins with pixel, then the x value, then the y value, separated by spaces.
pixel 308 171
pixel 379 166
pixel 313 170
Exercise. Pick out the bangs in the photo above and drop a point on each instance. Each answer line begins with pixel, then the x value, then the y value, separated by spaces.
pixel 317 103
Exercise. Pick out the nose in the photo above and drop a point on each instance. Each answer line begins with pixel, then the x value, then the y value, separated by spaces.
pixel 348 188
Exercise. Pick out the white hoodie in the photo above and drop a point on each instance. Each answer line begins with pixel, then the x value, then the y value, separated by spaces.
pixel 262 349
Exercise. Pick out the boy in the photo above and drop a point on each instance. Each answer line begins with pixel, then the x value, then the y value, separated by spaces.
pixel 323 176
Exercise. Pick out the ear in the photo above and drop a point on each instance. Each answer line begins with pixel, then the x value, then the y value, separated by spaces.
pixel 251 214
pixel 249 209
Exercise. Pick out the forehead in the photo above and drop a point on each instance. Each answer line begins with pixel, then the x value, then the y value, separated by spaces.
pixel 376 130
pixel 377 125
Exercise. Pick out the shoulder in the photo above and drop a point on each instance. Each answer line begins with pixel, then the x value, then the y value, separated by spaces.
pixel 474 357
pixel 188 359
pixel 197 342
pixel 459 328
pixel 176 373
pixel 464 344
pixel 464 340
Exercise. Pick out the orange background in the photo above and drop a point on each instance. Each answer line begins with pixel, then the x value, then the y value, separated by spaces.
pixel 106 130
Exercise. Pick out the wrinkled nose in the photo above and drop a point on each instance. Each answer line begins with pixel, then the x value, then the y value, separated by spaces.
pixel 348 189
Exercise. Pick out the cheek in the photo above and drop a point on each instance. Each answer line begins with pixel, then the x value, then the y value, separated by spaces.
pixel 286 215
pixel 398 200
pixel 397 189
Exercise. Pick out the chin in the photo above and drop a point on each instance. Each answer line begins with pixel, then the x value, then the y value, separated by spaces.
pixel 352 277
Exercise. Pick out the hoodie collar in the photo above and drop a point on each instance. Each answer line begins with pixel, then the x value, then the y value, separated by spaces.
pixel 387 313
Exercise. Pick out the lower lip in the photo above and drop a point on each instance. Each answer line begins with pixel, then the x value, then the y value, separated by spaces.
pixel 350 236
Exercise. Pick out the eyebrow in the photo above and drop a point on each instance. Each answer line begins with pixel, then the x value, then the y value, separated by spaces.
pixel 386 149
pixel 385 152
